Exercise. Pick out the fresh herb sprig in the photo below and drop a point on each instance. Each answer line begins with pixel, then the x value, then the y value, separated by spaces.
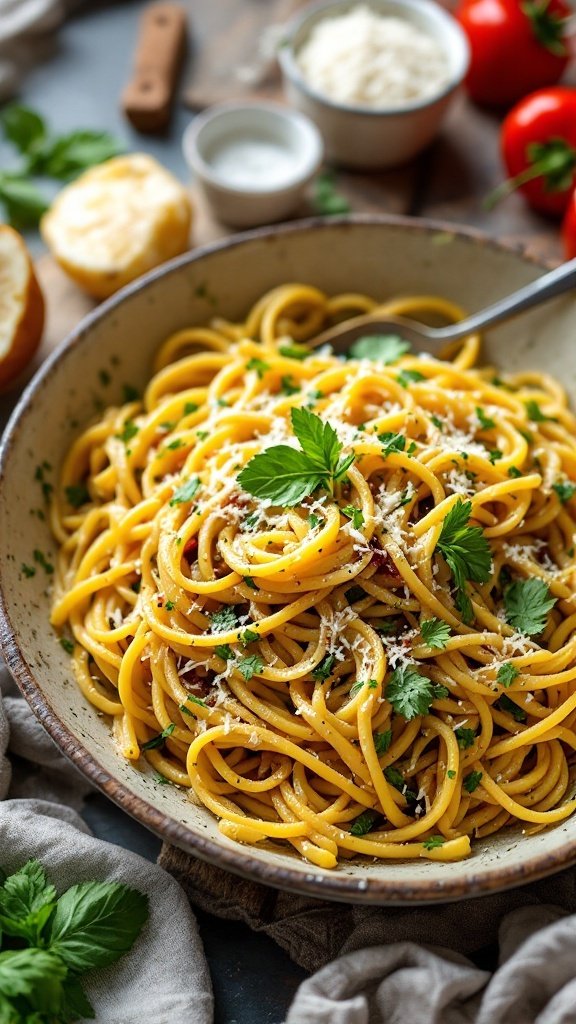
pixel 286 475
pixel 411 694
pixel 467 553
pixel 48 941
pixel 527 603
pixel 44 155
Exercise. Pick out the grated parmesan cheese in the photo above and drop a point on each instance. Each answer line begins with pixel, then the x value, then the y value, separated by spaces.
pixel 362 58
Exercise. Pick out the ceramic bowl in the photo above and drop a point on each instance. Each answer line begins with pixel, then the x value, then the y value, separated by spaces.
pixel 382 257
pixel 365 137
pixel 252 161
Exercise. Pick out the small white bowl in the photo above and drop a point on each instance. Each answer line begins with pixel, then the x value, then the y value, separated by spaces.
pixel 370 137
pixel 252 160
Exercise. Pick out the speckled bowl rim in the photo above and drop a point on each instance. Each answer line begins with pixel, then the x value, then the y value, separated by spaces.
pixel 238 860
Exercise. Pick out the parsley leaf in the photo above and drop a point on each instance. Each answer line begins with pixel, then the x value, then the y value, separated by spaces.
pixel 433 842
pixel 259 365
pixel 527 603
pixel 466 551
pixel 77 495
pixel 158 740
pixel 355 514
pixel 249 636
pixel 380 348
pixel 294 351
pixel 406 377
pixel 286 475
pixel 225 619
pixel 224 651
pixel 485 421
pixel 535 413
pixel 514 472
pixel 67 644
pixel 128 431
pixel 505 704
pixel 382 741
pixel 186 492
pixel 565 490
pixel 324 668
pixel 507 673
pixel 250 666
pixel 289 387
pixel 472 781
pixel 391 442
pixel 411 694
pixel 364 823
pixel 465 737
pixel 435 633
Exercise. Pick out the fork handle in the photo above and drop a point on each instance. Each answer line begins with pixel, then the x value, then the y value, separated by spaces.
pixel 556 282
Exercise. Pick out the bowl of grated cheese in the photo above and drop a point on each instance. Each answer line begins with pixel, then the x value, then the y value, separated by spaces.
pixel 377 77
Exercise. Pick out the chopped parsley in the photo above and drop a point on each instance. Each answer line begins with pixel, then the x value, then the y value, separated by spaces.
pixel 250 582
pixel 391 442
pixel 202 434
pixel 248 637
pixel 174 445
pixel 514 472
pixel 158 741
pixel 355 514
pixel 411 694
pixel 314 521
pixel 507 673
pixel 472 781
pixel 465 737
pixel 326 200
pixel 259 365
pixel 364 823
pixel 288 385
pixel 380 348
pixel 67 644
pixel 189 408
pixel 535 413
pixel 169 606
pixel 355 593
pixel 494 455
pixel 224 651
pixel 407 377
pixel 505 704
pixel 433 842
pixel 27 570
pixel 438 423
pixel 225 619
pixel 77 495
pixel 485 421
pixel 286 475
pixel 186 492
pixel 565 490
pixel 250 666
pixel 42 561
pixel 527 603
pixel 129 430
pixel 435 633
pixel 196 700
pixel 370 683
pixel 451 774
pixel 294 351
pixel 382 741
pixel 324 667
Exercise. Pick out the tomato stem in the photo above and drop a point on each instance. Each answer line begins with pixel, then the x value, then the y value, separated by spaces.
pixel 548 27
pixel 554 161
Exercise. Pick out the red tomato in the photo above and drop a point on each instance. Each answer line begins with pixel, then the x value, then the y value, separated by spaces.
pixel 569 228
pixel 515 47
pixel 538 142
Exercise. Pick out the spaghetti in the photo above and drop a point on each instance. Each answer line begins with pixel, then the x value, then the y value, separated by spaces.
pixel 383 664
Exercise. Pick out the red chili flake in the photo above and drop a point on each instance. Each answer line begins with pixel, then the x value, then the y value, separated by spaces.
pixel 383 560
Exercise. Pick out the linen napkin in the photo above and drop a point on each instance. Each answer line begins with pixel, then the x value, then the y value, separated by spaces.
pixel 165 976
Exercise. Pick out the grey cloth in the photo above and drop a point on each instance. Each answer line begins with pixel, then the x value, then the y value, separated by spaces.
pixel 165 977
pixel 409 984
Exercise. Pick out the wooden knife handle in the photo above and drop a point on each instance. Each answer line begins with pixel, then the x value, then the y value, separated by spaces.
pixel 147 99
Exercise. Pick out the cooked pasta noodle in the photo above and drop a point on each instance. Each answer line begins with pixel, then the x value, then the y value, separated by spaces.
pixel 324 674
